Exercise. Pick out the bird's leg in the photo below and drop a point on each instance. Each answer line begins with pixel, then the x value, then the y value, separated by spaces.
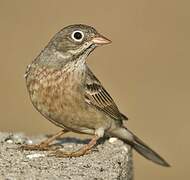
pixel 82 151
pixel 44 145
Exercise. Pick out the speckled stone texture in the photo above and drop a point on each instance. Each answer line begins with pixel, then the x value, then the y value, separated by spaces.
pixel 110 160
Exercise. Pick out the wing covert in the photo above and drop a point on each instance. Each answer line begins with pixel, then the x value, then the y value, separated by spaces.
pixel 97 96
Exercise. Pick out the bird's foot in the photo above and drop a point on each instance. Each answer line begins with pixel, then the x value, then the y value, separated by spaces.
pixel 86 149
pixel 63 154
pixel 44 145
pixel 37 147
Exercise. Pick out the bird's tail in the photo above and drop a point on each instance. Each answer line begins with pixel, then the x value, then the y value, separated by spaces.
pixel 128 137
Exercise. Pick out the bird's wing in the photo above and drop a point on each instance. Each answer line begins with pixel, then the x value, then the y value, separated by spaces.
pixel 98 97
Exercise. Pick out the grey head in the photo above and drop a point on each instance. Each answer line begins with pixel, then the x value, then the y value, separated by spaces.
pixel 75 41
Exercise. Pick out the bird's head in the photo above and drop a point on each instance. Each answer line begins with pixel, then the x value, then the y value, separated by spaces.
pixel 77 40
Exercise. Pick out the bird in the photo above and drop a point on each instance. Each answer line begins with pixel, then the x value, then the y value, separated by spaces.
pixel 65 91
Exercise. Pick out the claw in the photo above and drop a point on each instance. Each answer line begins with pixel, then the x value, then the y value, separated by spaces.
pixel 62 154
pixel 36 147
pixel 82 151
pixel 44 145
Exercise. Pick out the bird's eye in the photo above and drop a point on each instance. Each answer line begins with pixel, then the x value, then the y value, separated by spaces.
pixel 77 36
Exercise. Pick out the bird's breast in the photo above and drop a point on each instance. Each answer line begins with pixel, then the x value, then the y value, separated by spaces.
pixel 56 92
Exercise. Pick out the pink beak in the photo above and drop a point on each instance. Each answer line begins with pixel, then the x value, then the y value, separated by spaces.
pixel 100 40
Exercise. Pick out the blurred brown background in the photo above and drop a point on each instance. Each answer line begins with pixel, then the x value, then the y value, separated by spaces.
pixel 146 69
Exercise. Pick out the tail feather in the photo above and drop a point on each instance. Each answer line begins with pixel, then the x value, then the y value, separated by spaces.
pixel 128 137
pixel 147 152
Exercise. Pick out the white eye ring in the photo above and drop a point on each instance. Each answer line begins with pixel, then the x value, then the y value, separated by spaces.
pixel 77 36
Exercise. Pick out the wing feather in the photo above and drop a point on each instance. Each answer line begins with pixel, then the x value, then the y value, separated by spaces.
pixel 97 96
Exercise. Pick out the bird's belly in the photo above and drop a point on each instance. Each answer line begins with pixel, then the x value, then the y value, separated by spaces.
pixel 65 106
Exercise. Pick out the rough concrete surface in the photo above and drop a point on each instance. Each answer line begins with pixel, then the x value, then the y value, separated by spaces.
pixel 110 160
